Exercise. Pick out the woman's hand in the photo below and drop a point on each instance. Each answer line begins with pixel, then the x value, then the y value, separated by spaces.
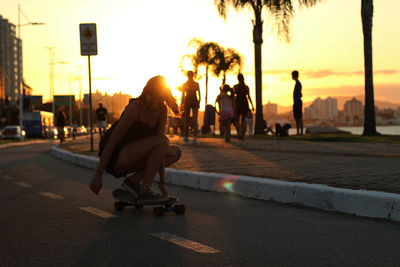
pixel 163 189
pixel 96 183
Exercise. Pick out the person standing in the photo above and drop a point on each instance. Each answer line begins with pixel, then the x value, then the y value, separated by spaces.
pixel 297 103
pixel 102 118
pixel 191 102
pixel 61 122
pixel 242 96
pixel 225 106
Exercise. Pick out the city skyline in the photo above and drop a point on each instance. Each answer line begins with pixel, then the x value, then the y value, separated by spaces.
pixel 134 47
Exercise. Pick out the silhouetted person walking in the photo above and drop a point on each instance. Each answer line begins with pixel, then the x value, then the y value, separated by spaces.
pixel 102 118
pixel 190 101
pixel 61 122
pixel 242 97
pixel 297 103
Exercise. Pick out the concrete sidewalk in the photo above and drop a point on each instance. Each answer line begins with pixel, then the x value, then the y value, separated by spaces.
pixel 369 166
pixel 26 143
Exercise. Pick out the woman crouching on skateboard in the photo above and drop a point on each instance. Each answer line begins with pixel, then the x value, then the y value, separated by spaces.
pixel 138 144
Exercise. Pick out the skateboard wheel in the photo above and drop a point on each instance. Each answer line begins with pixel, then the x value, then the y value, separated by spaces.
pixel 119 205
pixel 180 209
pixel 138 207
pixel 158 211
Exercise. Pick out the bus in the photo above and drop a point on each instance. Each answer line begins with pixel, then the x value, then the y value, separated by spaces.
pixel 38 124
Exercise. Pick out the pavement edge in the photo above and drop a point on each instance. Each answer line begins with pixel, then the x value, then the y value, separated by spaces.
pixel 364 203
pixel 25 143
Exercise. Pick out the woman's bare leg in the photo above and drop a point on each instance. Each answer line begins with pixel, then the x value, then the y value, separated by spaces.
pixel 146 154
pixel 155 163
pixel 173 155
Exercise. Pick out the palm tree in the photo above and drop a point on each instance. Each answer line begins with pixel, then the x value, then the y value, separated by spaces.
pixel 227 60
pixel 206 56
pixel 367 10
pixel 282 11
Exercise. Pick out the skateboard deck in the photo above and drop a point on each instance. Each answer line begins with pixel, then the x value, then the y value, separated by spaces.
pixel 124 198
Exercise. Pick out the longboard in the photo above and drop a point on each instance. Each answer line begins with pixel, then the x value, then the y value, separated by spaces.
pixel 124 198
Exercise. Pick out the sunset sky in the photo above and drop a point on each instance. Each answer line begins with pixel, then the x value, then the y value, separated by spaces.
pixel 140 39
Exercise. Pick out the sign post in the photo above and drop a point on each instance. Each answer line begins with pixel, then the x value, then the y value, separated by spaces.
pixel 89 48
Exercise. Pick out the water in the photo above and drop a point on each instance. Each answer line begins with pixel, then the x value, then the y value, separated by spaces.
pixel 389 130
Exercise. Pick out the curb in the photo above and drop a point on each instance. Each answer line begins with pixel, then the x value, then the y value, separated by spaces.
pixel 24 143
pixel 363 203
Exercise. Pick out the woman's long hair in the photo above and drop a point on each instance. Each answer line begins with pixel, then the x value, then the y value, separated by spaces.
pixel 158 85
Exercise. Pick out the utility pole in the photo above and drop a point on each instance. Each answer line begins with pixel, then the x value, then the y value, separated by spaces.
pixel 70 100
pixel 19 51
pixel 19 43
pixel 51 71
pixel 80 96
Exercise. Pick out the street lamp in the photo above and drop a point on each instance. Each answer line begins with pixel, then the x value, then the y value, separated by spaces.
pixel 20 94
pixel 51 67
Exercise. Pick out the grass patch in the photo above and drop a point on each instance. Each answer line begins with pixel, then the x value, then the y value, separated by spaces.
pixel 394 139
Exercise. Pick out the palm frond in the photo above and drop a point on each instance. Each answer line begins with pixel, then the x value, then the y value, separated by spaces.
pixel 223 4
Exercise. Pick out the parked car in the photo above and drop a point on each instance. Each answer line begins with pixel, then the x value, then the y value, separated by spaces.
pixel 12 131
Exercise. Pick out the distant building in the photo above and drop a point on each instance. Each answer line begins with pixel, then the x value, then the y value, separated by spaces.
pixel 10 45
pixel 330 109
pixel 322 109
pixel 353 113
pixel 270 109
pixel 353 107
pixel 119 101
pixel 397 113
pixel 114 104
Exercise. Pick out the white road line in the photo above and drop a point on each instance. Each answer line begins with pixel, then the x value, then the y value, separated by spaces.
pixel 185 243
pixel 100 213
pixel 6 177
pixel 51 195
pixel 22 184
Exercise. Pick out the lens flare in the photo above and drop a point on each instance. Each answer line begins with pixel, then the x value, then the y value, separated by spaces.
pixel 227 184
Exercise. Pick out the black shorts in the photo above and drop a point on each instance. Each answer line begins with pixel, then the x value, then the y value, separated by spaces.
pixel 298 110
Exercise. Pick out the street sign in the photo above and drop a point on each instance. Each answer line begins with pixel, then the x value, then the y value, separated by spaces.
pixel 88 39
pixel 64 100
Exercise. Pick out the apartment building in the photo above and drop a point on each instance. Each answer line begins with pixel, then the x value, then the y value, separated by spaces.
pixel 322 109
pixel 10 46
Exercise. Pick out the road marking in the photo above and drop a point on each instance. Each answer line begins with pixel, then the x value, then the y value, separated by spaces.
pixel 51 195
pixel 22 184
pixel 180 241
pixel 6 177
pixel 100 213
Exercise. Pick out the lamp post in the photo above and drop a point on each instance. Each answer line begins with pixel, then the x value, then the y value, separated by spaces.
pixel 51 68
pixel 20 88
pixel 80 95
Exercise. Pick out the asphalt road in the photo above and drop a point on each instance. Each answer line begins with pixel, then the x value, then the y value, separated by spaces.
pixel 49 217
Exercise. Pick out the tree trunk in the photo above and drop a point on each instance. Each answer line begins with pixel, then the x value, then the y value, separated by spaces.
pixel 369 108
pixel 206 99
pixel 257 39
